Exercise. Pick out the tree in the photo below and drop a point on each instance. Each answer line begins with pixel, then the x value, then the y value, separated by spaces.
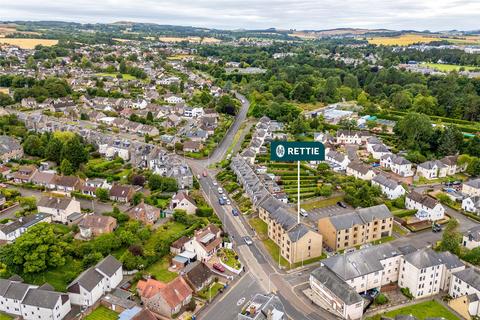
pixel 102 194
pixel 425 104
pixel 137 198
pixel 66 167
pixel 75 152
pixel 414 131
pixel 53 151
pixel 33 146
pixel 123 67
pixel 450 141
pixel 450 238
pixel 157 182
pixel 402 100
pixel 299 125
pixel 5 100
pixel 348 124
pixel 38 249
pixel 28 203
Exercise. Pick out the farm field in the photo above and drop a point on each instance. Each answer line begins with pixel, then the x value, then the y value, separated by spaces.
pixel 189 39
pixel 403 40
pixel 28 43
pixel 448 67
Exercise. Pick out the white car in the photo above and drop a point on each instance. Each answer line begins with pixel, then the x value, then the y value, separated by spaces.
pixel 220 190
pixel 248 241
pixel 215 183
pixel 303 213
pixel 229 202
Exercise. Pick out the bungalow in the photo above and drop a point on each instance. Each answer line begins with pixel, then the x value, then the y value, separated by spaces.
pixel 192 146
pixel 182 201
pixel 391 188
pixel 398 164
pixel 10 148
pixel 58 207
pixel 166 299
pixel 24 174
pixel 427 207
pixel 144 212
pixel 68 184
pixel 471 187
pixel 198 275
pixel 121 193
pixel 45 179
pixel 14 229
pixel 94 282
pixel 205 242
pixel 95 225
pixel 360 171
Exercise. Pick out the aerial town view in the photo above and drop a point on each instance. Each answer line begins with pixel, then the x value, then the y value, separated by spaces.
pixel 227 160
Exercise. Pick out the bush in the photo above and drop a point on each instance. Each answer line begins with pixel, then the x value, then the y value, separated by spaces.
pixel 406 292
pixel 204 212
pixel 381 299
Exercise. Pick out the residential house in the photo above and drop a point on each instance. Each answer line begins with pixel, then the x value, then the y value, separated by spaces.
pixel 432 169
pixel 46 179
pixel 332 291
pixel 182 201
pixel 90 186
pixel 166 299
pixel 360 171
pixel 471 204
pixel 14 229
pixel 471 187
pixel 205 242
pixel 263 307
pixel 428 208
pixel 121 193
pixel 192 146
pixel 60 208
pixel 337 160
pixel 471 239
pixel 68 184
pixel 94 282
pixel 451 163
pixel 198 275
pixel 397 164
pixel 173 99
pixel 465 290
pixel 95 225
pixel 379 150
pixel 44 303
pixel 350 229
pixel 390 188
pixel 144 212
pixel 352 137
pixel 10 148
pixel 24 174
pixel 179 245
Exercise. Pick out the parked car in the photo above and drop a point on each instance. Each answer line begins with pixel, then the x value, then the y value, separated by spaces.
pixel 436 228
pixel 341 204
pixel 303 213
pixel 215 183
pixel 218 267
pixel 204 173
pixel 220 190
pixel 248 241
pixel 221 201
pixel 235 212
pixel 229 202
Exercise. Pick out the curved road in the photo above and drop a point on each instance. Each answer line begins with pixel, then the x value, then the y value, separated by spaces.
pixel 258 264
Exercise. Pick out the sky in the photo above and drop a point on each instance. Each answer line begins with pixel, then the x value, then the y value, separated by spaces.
pixel 433 15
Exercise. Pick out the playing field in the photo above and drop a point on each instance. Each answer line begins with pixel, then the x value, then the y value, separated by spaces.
pixel 448 67
pixel 28 43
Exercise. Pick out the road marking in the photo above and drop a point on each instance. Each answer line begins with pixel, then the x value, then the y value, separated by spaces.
pixel 240 301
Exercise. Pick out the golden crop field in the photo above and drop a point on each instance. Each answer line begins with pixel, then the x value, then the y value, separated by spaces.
pixel 189 39
pixel 28 43
pixel 403 40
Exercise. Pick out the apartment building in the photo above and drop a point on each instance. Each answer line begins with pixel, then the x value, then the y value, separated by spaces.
pixel 357 227
pixel 296 241
pixel 465 290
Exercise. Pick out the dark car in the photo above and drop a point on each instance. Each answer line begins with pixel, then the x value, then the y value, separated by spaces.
pixel 436 228
pixel 235 212
pixel 341 204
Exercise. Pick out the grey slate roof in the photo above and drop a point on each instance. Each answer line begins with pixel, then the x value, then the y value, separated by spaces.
pixel 423 258
pixel 431 164
pixel 360 216
pixel 474 183
pixel 297 232
pixel 88 279
pixel 9 144
pixel 425 200
pixel 473 234
pixel 4 284
pixel 471 276
pixel 109 265
pixel 359 167
pixel 386 182
pixel 346 221
pixel 451 261
pixel 336 285
pixel 54 202
pixel 16 291
pixel 41 298
pixel 361 262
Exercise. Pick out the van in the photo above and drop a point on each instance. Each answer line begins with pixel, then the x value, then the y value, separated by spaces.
pixel 303 213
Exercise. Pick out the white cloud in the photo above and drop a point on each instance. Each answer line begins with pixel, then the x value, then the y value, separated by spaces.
pixel 298 14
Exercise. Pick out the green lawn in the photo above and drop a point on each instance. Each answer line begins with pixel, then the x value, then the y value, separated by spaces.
pixel 274 251
pixel 259 226
pixel 383 240
pixel 102 313
pixel 448 67
pixel 322 203
pixel 309 261
pixel 59 277
pixel 165 232
pixel 160 270
pixel 4 316
pixel 114 75
pixel 397 229
pixel 428 309
pixel 214 290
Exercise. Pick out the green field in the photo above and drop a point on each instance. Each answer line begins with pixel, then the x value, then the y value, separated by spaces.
pixel 449 67
pixel 102 313
pixel 428 309
pixel 4 316
pixel 114 75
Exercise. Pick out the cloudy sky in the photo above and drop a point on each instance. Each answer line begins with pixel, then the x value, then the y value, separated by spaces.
pixel 433 15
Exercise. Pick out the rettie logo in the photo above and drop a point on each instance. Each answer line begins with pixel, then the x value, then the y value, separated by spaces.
pixel 280 150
